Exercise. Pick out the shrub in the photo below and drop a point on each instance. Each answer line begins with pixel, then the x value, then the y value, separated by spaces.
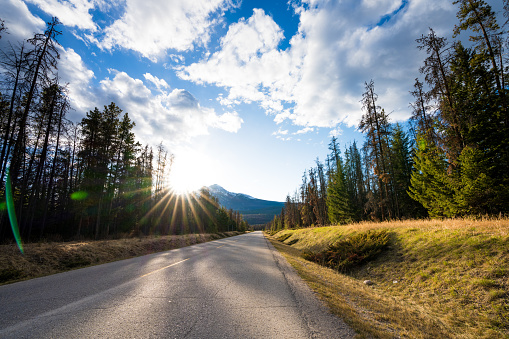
pixel 352 251
pixel 10 273
pixel 283 237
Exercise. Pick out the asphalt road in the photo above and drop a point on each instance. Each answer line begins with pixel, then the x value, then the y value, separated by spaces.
pixel 238 287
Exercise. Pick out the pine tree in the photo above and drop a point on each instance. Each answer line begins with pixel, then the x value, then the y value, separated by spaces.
pixel 430 184
pixel 338 199
pixel 402 167
pixel 375 124
pixel 355 181
pixel 421 113
pixel 43 61
pixel 477 192
pixel 477 16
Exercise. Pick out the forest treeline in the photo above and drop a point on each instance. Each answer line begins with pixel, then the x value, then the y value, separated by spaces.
pixel 451 161
pixel 90 179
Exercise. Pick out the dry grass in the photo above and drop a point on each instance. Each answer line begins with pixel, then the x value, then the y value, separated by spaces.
pixel 439 279
pixel 43 258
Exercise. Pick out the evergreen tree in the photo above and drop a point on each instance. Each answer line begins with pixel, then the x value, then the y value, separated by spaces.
pixel 430 184
pixel 355 181
pixel 478 17
pixel 402 168
pixel 42 62
pixel 338 199
pixel 477 191
pixel 375 124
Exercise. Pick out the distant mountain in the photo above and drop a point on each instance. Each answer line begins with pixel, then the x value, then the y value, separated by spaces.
pixel 255 211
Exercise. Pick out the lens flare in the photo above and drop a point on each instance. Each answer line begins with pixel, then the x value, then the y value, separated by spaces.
pixel 79 195
pixel 11 212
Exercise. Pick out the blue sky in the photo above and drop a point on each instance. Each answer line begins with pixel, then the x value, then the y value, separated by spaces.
pixel 245 94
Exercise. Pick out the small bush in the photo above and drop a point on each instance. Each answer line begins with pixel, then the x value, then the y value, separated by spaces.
pixel 10 273
pixel 352 251
pixel 485 283
pixel 74 261
pixel 293 241
pixel 284 237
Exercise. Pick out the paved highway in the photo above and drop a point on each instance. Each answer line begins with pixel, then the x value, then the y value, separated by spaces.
pixel 238 287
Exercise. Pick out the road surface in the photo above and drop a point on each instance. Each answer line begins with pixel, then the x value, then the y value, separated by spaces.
pixel 237 287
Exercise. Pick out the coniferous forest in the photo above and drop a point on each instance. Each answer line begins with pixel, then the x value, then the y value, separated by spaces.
pixel 90 179
pixel 452 157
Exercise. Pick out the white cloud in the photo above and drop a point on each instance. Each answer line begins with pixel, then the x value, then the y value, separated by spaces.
pixel 20 23
pixel 174 116
pixel 73 71
pixel 161 84
pixel 281 133
pixel 249 64
pixel 304 130
pixel 336 132
pixel 71 12
pixel 319 80
pixel 150 27
pixel 229 121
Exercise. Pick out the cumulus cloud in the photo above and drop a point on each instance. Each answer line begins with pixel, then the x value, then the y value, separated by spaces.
pixel 73 72
pixel 72 13
pixel 20 23
pixel 229 121
pixel 160 114
pixel 248 64
pixel 319 80
pixel 174 116
pixel 151 27
pixel 160 84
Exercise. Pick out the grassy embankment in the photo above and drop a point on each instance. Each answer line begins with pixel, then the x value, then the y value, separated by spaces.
pixel 45 258
pixel 436 279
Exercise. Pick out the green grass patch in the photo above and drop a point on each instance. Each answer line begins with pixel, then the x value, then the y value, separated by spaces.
pixel 454 272
pixel 352 251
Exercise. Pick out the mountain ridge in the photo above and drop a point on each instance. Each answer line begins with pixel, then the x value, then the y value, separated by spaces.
pixel 255 211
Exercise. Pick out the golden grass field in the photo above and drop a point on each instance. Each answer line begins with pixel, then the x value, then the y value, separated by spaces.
pixel 438 279
pixel 45 258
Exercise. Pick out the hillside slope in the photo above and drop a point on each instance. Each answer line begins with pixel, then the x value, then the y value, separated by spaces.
pixel 435 279
pixel 255 211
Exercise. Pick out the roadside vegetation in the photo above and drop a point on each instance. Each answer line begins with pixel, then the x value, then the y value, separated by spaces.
pixel 449 160
pixel 45 258
pixel 432 279
pixel 90 179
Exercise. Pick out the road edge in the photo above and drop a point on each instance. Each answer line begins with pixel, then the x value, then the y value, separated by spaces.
pixel 322 323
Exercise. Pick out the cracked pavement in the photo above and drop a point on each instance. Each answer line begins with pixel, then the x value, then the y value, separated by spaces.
pixel 238 287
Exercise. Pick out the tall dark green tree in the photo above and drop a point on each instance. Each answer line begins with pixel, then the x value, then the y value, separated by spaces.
pixel 355 181
pixel 402 164
pixel 338 199
pixel 430 184
pixel 478 17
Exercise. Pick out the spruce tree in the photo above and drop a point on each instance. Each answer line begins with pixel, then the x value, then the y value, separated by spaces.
pixel 477 191
pixel 338 199
pixel 430 184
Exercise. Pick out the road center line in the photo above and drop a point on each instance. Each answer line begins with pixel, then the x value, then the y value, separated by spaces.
pixel 162 268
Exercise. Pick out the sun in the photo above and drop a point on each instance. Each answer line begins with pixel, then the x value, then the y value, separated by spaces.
pixel 184 180
pixel 188 174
